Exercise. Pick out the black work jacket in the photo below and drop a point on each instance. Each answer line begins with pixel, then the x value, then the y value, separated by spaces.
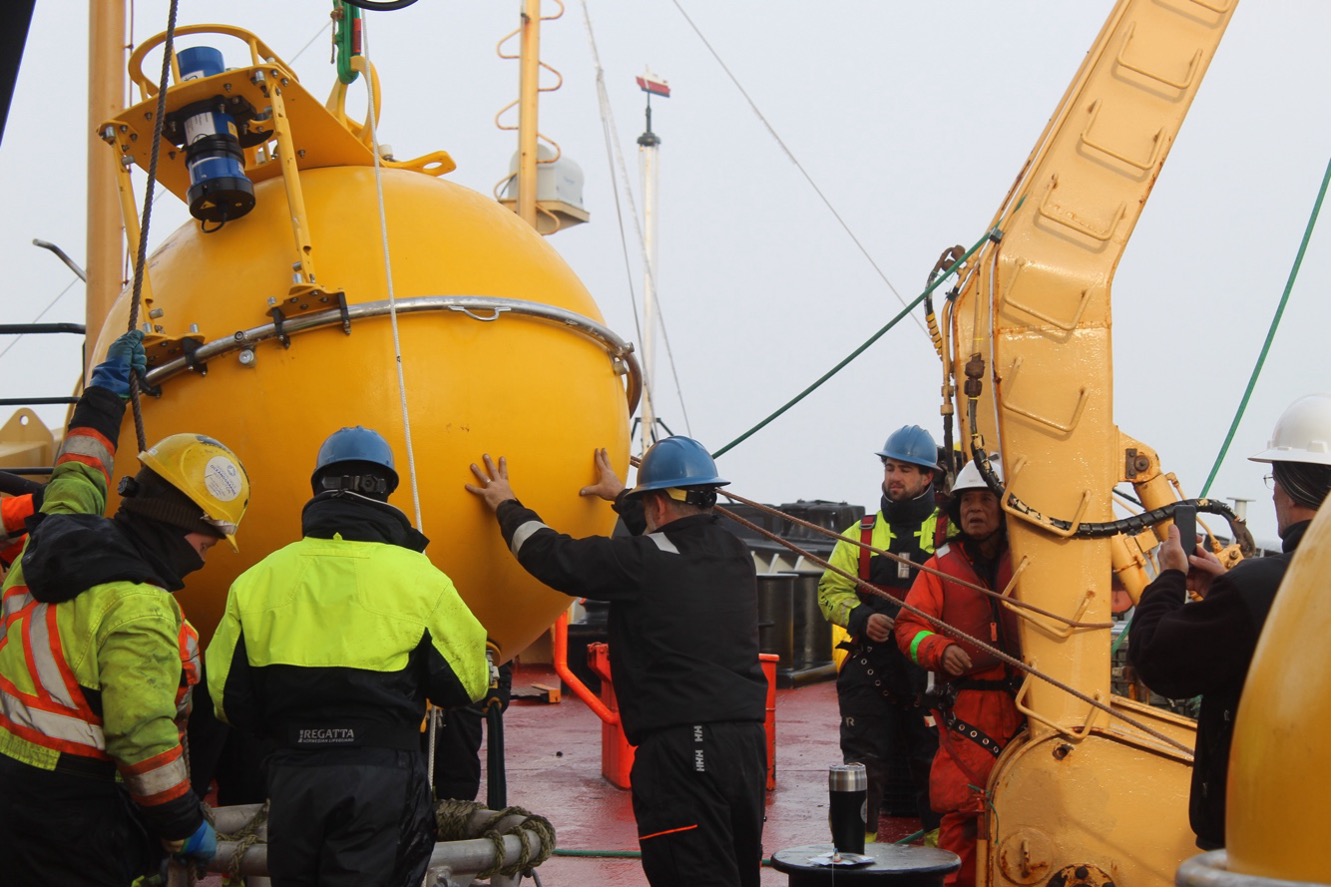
pixel 683 627
pixel 1203 648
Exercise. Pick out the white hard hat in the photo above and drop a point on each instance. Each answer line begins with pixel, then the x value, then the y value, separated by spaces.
pixel 1302 433
pixel 969 478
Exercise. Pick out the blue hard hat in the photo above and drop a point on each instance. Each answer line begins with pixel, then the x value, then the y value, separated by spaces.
pixel 355 444
pixel 677 462
pixel 911 444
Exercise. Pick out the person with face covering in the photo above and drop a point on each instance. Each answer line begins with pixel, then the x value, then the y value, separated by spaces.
pixel 975 712
pixel 1184 648
pixel 96 659
pixel 328 650
pixel 882 721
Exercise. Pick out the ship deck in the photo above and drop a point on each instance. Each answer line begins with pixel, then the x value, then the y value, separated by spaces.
pixel 554 763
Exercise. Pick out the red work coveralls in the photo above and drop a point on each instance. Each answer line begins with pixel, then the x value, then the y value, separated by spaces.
pixel 983 717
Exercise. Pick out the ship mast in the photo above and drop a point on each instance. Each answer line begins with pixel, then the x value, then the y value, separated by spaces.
pixel 106 97
pixel 652 85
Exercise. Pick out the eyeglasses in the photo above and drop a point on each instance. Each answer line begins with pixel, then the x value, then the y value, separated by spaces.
pixel 1269 481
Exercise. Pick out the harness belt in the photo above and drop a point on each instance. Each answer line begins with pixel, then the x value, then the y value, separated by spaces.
pixel 969 732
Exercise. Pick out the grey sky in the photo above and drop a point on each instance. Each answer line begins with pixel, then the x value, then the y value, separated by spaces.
pixel 913 118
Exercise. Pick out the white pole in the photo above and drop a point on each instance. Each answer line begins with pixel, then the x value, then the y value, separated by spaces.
pixel 649 142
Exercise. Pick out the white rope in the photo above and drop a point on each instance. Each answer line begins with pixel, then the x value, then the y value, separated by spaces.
pixel 613 148
pixel 389 279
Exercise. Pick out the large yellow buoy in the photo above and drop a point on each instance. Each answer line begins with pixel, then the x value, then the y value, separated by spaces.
pixel 503 351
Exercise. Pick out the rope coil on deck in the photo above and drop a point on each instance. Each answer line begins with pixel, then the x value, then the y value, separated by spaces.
pixel 455 821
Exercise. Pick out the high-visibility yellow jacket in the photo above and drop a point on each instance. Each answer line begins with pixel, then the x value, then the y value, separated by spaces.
pixel 96 681
pixel 333 642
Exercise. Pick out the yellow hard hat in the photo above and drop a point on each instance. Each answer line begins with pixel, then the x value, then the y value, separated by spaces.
pixel 208 473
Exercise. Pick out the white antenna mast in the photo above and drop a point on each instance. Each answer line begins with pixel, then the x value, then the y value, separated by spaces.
pixel 652 85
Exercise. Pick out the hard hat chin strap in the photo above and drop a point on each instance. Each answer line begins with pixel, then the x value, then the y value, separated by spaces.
pixel 699 498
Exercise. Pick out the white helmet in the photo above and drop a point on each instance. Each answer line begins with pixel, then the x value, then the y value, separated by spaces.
pixel 970 478
pixel 1302 433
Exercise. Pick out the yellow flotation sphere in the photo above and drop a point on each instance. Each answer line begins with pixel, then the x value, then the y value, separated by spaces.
pixel 503 352
pixel 1278 822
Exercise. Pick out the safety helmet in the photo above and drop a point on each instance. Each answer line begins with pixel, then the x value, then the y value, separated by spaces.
pixel 911 444
pixel 206 472
pixel 677 463
pixel 1302 433
pixel 969 478
pixel 355 444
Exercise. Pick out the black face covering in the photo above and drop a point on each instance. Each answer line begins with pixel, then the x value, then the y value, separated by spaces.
pixel 163 547
pixel 915 510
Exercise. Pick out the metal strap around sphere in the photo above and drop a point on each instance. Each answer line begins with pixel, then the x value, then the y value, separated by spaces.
pixel 619 350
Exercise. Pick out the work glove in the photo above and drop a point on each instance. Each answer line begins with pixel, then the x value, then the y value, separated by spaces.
pixel 124 357
pixel 200 847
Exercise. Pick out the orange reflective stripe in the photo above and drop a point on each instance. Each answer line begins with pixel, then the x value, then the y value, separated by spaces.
pixel 157 779
pixel 673 830
pixel 86 446
pixel 67 734
pixel 191 669
pixel 55 715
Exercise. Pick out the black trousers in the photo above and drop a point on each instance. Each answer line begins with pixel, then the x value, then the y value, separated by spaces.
pixel 699 798
pixel 63 829
pixel 879 737
pixel 359 816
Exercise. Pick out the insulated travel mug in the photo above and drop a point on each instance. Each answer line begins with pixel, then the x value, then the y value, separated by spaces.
pixel 848 806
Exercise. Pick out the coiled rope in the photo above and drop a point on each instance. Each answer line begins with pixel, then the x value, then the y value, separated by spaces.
pixel 454 820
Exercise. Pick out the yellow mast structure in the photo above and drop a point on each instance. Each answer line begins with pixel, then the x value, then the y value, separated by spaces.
pixel 106 97
pixel 1033 365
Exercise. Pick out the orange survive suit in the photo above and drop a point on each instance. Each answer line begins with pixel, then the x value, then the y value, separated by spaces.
pixel 983 718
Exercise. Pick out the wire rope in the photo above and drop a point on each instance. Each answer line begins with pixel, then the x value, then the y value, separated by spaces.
pixel 860 350
pixel 141 256
pixel 1274 327
pixel 798 164
pixel 389 280
pixel 613 148
pixel 943 626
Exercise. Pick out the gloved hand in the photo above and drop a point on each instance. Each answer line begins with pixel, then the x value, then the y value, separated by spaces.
pixel 200 847
pixel 126 354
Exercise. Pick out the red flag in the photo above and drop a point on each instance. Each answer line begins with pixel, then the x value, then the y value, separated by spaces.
pixel 654 85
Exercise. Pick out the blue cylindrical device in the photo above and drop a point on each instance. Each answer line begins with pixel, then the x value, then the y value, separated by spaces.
pixel 219 188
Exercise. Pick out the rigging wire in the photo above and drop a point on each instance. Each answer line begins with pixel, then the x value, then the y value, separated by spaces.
pixel 1274 326
pixel 389 276
pixel 613 148
pixel 943 626
pixel 860 350
pixel 141 255
pixel 798 164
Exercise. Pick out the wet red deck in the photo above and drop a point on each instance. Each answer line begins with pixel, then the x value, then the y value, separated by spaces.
pixel 553 768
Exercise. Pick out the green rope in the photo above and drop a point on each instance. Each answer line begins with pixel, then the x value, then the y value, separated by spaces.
pixel 859 351
pixel 1270 335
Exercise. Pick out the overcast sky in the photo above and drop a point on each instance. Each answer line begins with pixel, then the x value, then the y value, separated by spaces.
pixel 912 118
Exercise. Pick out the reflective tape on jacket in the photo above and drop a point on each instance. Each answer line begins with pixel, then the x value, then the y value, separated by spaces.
pixel 159 779
pixel 55 715
pixel 86 446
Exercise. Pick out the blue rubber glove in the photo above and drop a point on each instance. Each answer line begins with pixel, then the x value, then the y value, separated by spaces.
pixel 126 354
pixel 202 845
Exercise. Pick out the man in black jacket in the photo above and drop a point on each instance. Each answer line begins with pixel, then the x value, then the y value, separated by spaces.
pixel 1203 648
pixel 684 648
